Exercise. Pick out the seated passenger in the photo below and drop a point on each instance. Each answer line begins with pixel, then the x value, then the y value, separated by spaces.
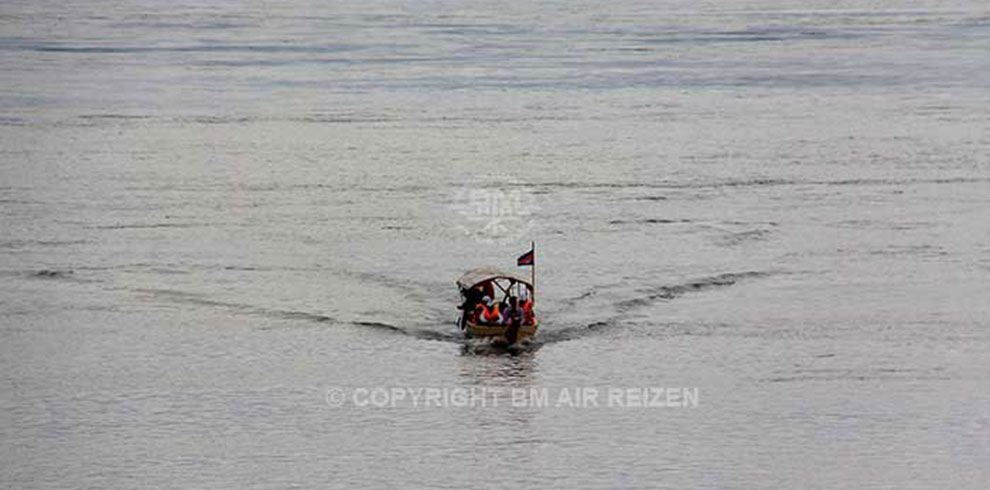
pixel 478 313
pixel 492 315
pixel 527 309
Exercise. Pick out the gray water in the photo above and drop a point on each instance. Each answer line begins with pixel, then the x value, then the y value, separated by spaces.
pixel 212 215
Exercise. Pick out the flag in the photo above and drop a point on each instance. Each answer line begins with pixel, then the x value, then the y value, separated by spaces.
pixel 526 258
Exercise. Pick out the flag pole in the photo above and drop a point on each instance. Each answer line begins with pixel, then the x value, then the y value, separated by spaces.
pixel 533 271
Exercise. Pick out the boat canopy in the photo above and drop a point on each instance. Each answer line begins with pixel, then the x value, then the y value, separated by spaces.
pixel 474 277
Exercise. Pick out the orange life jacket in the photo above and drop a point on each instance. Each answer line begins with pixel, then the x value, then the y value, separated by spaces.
pixel 478 313
pixel 527 308
pixel 491 315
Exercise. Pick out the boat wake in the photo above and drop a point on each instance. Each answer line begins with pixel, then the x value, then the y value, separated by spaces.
pixel 420 332
pixel 669 292
pixel 625 308
pixel 428 330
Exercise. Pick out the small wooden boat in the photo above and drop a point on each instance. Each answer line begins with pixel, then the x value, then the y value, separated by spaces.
pixel 498 286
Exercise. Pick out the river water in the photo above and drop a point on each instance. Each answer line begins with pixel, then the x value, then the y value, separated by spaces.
pixel 224 225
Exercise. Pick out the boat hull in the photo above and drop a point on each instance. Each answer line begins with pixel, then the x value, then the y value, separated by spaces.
pixel 497 332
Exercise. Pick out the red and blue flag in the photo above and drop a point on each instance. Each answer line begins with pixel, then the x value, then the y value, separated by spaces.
pixel 526 258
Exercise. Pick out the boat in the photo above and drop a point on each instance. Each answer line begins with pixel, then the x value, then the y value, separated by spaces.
pixel 498 285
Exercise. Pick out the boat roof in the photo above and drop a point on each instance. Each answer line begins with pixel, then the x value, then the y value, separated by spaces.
pixel 474 277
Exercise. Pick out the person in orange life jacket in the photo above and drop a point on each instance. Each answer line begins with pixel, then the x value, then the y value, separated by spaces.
pixel 526 305
pixel 478 313
pixel 483 312
pixel 491 315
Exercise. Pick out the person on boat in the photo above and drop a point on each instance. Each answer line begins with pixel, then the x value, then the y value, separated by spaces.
pixel 478 313
pixel 514 318
pixel 492 315
pixel 514 313
pixel 526 305
pixel 472 300
pixel 503 307
pixel 472 297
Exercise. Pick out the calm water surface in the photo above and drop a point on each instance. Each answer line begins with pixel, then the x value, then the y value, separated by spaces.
pixel 213 213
